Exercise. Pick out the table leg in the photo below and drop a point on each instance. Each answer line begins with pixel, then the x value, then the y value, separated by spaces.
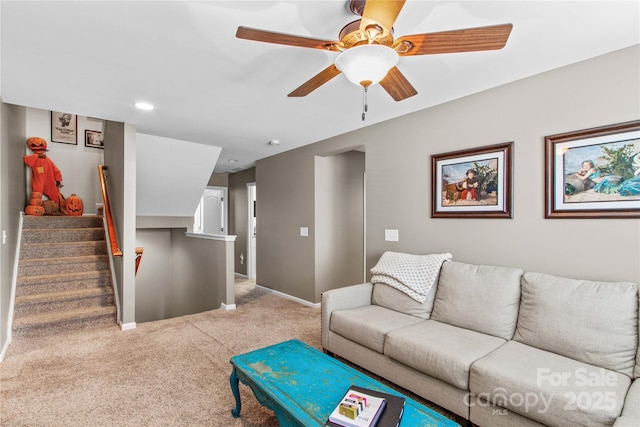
pixel 234 380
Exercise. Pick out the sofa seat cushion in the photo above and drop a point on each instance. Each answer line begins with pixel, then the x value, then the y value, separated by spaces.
pixel 547 387
pixel 369 325
pixel 593 322
pixel 440 350
pixel 631 410
pixel 482 298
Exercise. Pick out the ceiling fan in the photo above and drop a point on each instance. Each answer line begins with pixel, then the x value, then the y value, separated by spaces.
pixel 369 53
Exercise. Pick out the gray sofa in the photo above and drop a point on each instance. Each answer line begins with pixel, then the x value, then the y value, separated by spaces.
pixel 497 346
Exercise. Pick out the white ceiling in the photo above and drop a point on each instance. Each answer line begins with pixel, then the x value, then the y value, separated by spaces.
pixel 97 58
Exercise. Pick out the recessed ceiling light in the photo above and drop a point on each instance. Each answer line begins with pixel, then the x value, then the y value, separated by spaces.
pixel 232 161
pixel 144 106
pixel 274 142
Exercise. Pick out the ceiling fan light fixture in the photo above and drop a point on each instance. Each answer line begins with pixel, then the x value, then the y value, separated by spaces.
pixel 367 64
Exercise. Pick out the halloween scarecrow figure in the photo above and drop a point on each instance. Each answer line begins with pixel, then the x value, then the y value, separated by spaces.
pixel 46 177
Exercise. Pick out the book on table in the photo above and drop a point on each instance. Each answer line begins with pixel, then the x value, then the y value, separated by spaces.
pixel 362 407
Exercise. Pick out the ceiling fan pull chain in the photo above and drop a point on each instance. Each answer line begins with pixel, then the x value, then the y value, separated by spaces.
pixel 365 105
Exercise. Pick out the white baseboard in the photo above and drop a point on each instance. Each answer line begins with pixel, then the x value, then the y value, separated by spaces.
pixel 290 297
pixel 227 306
pixel 127 326
pixel 5 347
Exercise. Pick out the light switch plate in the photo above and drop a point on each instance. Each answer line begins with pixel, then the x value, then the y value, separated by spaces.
pixel 304 231
pixel 391 235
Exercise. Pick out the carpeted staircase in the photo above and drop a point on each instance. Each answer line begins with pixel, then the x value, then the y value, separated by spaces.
pixel 64 277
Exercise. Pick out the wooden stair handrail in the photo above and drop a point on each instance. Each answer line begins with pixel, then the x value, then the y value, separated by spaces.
pixel 115 250
pixel 139 252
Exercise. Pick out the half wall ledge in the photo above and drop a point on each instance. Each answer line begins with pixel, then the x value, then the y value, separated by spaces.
pixel 226 277
pixel 220 237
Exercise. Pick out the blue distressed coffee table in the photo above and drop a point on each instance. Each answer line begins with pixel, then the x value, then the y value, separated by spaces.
pixel 302 385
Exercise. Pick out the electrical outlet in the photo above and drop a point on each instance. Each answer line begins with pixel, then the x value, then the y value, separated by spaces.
pixel 391 235
pixel 304 231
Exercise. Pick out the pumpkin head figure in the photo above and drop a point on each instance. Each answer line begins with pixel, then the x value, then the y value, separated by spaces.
pixel 37 144
pixel 74 205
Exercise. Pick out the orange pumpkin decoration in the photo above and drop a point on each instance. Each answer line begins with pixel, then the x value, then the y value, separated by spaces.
pixel 36 199
pixel 75 206
pixel 34 210
pixel 37 144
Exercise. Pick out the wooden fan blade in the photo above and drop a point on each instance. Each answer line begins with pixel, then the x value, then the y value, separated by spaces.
pixel 316 81
pixel 473 39
pixel 397 85
pixel 285 39
pixel 381 12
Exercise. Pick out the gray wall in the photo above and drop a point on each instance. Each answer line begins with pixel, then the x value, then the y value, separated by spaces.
pixel 285 261
pixel 120 159
pixel 286 199
pixel 218 180
pixel 237 183
pixel 600 91
pixel 181 275
pixel 13 199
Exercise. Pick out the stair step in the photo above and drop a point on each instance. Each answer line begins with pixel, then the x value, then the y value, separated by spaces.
pixel 63 300
pixel 59 235
pixel 30 285
pixel 40 266
pixel 30 222
pixel 64 278
pixel 59 322
pixel 57 250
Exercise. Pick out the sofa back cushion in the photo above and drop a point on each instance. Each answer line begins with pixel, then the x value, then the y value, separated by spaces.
pixel 478 297
pixel 592 322
pixel 394 299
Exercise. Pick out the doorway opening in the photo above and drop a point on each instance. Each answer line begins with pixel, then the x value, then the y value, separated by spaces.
pixel 340 219
pixel 252 222
pixel 211 213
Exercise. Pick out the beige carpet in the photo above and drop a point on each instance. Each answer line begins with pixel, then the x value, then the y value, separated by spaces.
pixel 167 373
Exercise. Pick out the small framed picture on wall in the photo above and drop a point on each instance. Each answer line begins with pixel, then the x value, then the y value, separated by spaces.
pixel 64 128
pixel 93 138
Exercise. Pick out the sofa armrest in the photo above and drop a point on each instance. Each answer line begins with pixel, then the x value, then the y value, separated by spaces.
pixel 342 299
pixel 630 416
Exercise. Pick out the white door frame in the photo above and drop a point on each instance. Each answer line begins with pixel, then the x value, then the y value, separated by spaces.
pixel 251 237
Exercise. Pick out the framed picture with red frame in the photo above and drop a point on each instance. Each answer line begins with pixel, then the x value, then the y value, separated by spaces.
pixel 473 183
pixel 593 173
